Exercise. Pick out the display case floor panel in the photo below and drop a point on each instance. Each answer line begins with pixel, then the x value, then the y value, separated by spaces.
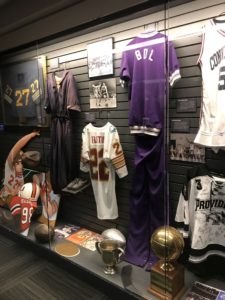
pixel 25 275
pixel 129 282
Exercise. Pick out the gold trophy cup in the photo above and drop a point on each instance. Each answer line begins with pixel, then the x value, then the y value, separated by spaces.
pixel 167 276
pixel 110 251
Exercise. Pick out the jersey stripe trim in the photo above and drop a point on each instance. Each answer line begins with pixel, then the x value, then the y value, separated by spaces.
pixel 174 77
pixel 15 209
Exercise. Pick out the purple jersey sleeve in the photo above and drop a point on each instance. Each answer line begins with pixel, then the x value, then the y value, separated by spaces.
pixel 72 96
pixel 174 71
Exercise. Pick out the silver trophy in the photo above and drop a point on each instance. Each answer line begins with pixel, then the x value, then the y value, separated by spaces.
pixel 111 252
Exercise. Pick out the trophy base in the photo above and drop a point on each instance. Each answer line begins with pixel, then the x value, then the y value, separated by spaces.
pixel 167 296
pixel 109 270
pixel 167 285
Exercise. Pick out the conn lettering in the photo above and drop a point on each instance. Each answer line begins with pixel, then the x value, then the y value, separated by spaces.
pixel 216 58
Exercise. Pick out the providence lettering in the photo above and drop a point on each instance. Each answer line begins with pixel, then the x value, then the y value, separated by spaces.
pixel 216 58
pixel 208 204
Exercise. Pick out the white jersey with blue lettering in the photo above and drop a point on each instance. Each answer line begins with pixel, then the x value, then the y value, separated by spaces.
pixel 102 156
pixel 212 62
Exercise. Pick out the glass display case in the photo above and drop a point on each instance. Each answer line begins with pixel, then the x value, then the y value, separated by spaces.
pixel 112 148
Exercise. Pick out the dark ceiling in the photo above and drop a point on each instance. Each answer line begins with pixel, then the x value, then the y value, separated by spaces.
pixel 26 21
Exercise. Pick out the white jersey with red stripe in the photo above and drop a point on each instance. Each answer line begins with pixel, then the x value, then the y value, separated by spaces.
pixel 212 62
pixel 102 156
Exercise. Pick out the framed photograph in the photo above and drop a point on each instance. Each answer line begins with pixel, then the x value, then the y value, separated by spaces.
pixel 182 147
pixel 100 58
pixel 103 93
pixel 23 92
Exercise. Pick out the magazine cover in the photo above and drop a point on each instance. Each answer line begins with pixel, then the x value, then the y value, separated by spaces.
pixel 85 238
pixel 65 230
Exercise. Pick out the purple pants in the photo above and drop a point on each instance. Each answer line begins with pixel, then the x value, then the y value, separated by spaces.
pixel 147 198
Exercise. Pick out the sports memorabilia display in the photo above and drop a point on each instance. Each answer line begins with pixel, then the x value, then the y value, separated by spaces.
pixel 67 249
pixel 102 156
pixel 13 177
pixel 211 60
pixel 23 92
pixel 49 200
pixel 23 206
pixel 44 233
pixel 110 252
pixel 114 234
pixel 150 65
pixel 61 98
pixel 144 66
pixel 200 214
pixel 167 276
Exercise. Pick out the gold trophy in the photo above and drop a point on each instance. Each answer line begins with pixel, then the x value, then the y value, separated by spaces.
pixel 167 276
pixel 110 251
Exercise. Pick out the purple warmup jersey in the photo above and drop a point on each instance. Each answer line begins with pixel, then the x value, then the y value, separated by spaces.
pixel 144 66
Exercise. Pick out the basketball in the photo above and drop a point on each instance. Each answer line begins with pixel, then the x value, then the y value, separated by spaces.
pixel 44 233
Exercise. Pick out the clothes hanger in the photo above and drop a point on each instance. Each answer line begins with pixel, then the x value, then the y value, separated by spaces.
pixel 59 72
pixel 217 18
pixel 149 30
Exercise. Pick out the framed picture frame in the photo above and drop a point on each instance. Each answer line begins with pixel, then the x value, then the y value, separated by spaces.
pixel 100 58
pixel 23 92
pixel 182 147
pixel 103 93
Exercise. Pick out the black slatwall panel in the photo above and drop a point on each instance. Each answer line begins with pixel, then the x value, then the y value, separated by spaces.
pixel 183 20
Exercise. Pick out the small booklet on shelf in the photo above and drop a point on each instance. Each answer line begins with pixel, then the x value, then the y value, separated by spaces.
pixel 200 291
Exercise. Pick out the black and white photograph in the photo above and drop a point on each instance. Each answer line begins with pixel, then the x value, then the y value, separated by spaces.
pixel 100 58
pixel 103 93
pixel 182 147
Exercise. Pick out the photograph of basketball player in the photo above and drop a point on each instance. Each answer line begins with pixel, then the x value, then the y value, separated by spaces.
pixel 50 200
pixel 13 177
pixel 103 93
pixel 22 207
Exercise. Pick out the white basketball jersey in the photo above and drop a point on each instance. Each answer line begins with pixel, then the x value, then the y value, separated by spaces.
pixel 200 216
pixel 212 62
pixel 102 156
